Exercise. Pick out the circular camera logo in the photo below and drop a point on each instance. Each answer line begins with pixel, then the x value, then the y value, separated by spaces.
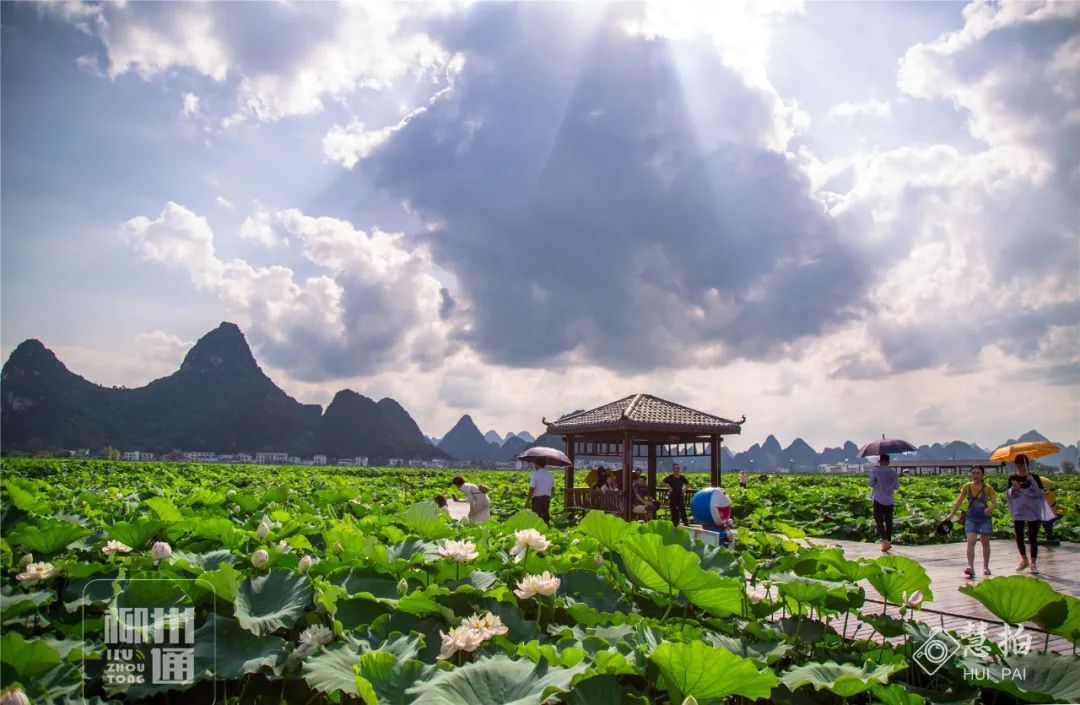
pixel 936 652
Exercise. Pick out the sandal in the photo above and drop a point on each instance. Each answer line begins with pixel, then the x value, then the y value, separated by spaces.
pixel 986 571
pixel 1034 569
pixel 970 572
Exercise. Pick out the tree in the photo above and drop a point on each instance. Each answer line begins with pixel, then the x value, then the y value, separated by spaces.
pixel 110 453
pixel 1068 467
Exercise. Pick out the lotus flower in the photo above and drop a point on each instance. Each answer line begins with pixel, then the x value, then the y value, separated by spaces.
pixel 113 547
pixel 15 696
pixel 459 551
pixel 530 539
pixel 160 551
pixel 230 493
pixel 316 635
pixel 403 587
pixel 913 600
pixel 260 558
pixel 488 625
pixel 264 529
pixel 305 564
pixel 463 638
pixel 36 572
pixel 544 584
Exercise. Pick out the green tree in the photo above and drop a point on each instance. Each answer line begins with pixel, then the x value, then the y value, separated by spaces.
pixel 1067 466
pixel 110 453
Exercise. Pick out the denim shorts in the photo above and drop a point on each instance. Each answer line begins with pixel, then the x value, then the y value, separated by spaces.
pixel 983 527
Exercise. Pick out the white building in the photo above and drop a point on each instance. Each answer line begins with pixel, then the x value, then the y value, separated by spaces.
pixel 244 457
pixel 294 460
pixel 202 456
pixel 395 462
pixel 319 460
pixel 138 455
pixel 271 457
pixel 438 463
pixel 361 461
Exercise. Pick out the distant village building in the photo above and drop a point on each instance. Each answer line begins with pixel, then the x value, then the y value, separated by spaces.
pixel 200 456
pixel 82 453
pixel 361 461
pixel 438 463
pixel 319 460
pixel 395 462
pixel 244 457
pixel 417 463
pixel 295 460
pixel 138 455
pixel 344 462
pixel 271 457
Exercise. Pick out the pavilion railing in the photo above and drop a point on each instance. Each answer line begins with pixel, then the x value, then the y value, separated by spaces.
pixel 586 498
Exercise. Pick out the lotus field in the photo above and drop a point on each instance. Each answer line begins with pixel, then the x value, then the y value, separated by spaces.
pixel 172 583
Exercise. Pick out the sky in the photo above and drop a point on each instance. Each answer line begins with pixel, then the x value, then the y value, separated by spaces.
pixel 839 219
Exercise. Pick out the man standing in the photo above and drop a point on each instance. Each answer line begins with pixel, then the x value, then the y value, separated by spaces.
pixel 677 494
pixel 540 486
pixel 884 482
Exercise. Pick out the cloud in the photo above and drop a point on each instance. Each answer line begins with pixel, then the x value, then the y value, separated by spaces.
pixel 881 109
pixel 224 203
pixel 375 304
pixel 594 210
pixel 191 106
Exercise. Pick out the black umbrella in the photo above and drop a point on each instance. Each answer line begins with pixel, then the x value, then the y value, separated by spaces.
pixel 542 455
pixel 886 446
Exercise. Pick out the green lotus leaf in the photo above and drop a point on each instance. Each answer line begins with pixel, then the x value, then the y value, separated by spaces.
pixel 837 566
pixel 357 612
pixel 19 603
pixel 331 670
pixel 265 603
pixel 523 519
pixel 47 536
pixel 768 652
pixel 217 529
pixel 1035 677
pixel 607 529
pixel 24 495
pixel 591 588
pixel 1070 625
pixel 95 588
pixel 1016 598
pixel 703 672
pixel 896 694
pixel 410 548
pixel 425 519
pixel 390 676
pixel 670 533
pixel 229 651
pixel 136 534
pixel 25 660
pixel 567 656
pixel 720 596
pixel 802 590
pixel 211 560
pixel 598 690
pixel 164 510
pixel 900 575
pixel 495 679
pixel 366 583
pixel 662 567
pixel 224 581
pixel 844 680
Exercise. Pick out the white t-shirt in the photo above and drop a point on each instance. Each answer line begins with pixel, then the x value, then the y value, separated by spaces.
pixel 542 483
pixel 479 504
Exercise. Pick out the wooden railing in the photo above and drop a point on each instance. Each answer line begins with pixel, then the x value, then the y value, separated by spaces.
pixel 586 498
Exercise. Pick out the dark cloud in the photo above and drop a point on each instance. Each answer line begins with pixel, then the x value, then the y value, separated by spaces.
pixel 607 194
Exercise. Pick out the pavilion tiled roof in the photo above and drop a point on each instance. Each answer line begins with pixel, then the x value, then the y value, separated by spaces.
pixel 643 412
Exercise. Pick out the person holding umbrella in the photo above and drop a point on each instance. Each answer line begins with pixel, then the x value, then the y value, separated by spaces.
pixel 541 483
pixel 1027 503
pixel 884 482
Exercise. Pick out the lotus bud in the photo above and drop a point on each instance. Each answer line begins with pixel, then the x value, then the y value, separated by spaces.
pixel 599 560
pixel 230 493
pixel 264 529
pixel 403 587
pixel 305 564
pixel 26 560
pixel 260 558
pixel 338 547
pixel 15 696
pixel 160 551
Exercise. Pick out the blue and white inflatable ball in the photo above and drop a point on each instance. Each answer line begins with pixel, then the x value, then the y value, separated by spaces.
pixel 711 506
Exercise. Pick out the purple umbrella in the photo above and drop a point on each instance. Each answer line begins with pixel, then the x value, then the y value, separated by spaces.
pixel 541 455
pixel 886 446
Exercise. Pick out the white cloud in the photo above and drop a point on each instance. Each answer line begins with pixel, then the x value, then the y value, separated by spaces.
pixel 191 106
pixel 881 109
pixel 375 304
pixel 224 203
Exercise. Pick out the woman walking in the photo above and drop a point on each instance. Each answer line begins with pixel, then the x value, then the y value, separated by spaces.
pixel 884 482
pixel 978 520
pixel 1027 503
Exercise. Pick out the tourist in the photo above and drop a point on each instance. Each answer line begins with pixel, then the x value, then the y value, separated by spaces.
pixel 978 519
pixel 1027 503
pixel 677 494
pixel 884 481
pixel 643 503
pixel 440 502
pixel 1051 498
pixel 611 484
pixel 476 496
pixel 541 483
pixel 742 479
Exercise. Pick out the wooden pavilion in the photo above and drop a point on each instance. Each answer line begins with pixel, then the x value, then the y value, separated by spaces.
pixel 640 426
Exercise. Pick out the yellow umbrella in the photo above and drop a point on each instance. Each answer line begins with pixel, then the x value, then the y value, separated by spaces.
pixel 1032 449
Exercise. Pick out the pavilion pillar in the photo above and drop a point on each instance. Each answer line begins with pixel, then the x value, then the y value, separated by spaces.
pixel 714 460
pixel 568 475
pixel 627 476
pixel 652 469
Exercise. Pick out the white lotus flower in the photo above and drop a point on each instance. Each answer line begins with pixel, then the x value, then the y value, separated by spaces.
pixel 544 584
pixel 528 539
pixel 305 564
pixel 461 638
pixel 316 635
pixel 260 558
pixel 160 551
pixel 36 572
pixel 113 547
pixel 15 696
pixel 264 529
pixel 488 625
pixel 459 551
